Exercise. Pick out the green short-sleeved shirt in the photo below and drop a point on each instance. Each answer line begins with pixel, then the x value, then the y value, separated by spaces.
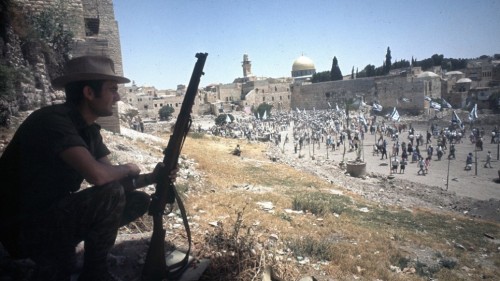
pixel 33 175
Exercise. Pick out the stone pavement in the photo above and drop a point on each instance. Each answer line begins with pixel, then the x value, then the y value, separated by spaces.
pixel 483 185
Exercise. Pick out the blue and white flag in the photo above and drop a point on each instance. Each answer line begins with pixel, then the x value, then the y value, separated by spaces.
pixel 264 116
pixel 395 115
pixel 337 107
pixel 377 107
pixel 455 119
pixel 473 113
pixel 362 119
pixel 329 105
pixel 445 104
pixel 435 105
pixel 427 98
pixel 228 119
pixel 298 110
pixel 362 103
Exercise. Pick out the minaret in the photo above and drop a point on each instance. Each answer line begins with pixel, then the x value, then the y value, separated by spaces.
pixel 247 66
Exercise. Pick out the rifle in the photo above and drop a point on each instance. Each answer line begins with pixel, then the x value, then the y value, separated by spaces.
pixel 155 267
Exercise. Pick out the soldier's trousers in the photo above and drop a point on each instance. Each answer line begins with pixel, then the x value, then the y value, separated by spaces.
pixel 92 215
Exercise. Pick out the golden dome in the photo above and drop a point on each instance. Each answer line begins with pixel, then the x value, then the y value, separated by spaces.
pixel 303 63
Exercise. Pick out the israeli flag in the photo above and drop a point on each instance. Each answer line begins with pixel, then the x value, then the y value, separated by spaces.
pixel 473 113
pixel 264 116
pixel 377 107
pixel 337 107
pixel 435 105
pixel 362 119
pixel 228 119
pixel 363 104
pixel 455 119
pixel 445 103
pixel 395 115
pixel 427 98
pixel 329 105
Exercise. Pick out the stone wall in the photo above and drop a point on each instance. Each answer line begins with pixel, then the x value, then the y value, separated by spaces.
pixel 318 95
pixel 106 42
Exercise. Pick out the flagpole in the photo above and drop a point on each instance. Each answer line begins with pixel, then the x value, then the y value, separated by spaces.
pixel 448 174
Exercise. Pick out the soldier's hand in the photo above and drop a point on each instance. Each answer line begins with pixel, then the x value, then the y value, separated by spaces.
pixel 160 169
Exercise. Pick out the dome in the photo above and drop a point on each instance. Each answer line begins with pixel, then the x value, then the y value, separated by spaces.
pixel 427 74
pixel 454 73
pixel 303 63
pixel 464 80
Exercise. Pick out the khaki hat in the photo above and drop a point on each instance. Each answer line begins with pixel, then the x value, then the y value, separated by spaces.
pixel 87 68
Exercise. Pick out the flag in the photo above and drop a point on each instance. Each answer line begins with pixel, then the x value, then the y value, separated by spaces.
pixel 435 105
pixel 445 103
pixel 228 119
pixel 337 107
pixel 455 119
pixel 473 113
pixel 264 116
pixel 395 115
pixel 377 107
pixel 427 98
pixel 329 105
pixel 405 99
pixel 298 110
pixel 362 119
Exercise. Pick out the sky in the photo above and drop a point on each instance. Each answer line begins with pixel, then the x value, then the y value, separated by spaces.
pixel 159 38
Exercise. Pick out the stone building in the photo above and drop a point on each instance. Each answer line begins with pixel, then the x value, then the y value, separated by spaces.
pixel 96 33
pixel 409 90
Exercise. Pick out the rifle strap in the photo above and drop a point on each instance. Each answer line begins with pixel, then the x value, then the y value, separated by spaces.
pixel 174 271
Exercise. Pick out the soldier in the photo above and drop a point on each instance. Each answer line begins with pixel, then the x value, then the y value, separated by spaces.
pixel 43 214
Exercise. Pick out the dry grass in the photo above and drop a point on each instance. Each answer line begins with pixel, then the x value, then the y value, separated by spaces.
pixel 341 241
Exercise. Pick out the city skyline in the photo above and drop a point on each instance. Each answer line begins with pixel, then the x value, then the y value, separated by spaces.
pixel 159 39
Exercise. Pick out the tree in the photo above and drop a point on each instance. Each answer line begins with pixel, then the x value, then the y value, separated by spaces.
pixel 166 112
pixel 323 76
pixel 263 107
pixel 370 70
pixel 437 59
pixel 352 73
pixel 335 73
pixel 222 119
pixel 388 63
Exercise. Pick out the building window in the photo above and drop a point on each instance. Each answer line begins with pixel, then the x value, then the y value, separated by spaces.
pixel 91 26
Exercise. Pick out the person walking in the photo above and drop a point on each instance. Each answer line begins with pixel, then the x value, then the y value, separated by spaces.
pixel 488 160
pixel 402 166
pixel 421 166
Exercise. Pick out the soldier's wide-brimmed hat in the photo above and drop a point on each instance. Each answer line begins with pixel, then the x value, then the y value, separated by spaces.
pixel 87 68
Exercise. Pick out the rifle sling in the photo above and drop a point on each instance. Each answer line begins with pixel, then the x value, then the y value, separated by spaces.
pixel 174 271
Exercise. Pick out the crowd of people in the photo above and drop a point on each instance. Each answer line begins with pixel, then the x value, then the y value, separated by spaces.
pixel 334 129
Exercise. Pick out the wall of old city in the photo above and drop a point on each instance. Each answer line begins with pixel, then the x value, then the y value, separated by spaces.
pixel 318 95
pixel 404 93
pixel 275 92
pixel 229 92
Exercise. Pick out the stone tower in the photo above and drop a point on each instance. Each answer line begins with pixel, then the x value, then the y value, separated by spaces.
pixel 247 67
pixel 96 33
pixel 101 37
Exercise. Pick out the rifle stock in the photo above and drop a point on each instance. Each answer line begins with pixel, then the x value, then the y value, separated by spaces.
pixel 155 267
